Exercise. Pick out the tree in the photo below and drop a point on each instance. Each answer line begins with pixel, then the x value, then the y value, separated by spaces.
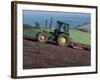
pixel 37 25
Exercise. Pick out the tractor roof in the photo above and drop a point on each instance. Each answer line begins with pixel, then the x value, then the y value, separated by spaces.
pixel 61 22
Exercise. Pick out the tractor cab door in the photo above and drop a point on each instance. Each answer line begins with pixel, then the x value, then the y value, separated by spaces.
pixel 63 28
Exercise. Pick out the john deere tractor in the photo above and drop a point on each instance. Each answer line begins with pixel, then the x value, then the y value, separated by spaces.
pixel 60 34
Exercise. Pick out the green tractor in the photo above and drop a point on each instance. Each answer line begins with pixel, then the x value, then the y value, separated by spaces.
pixel 60 34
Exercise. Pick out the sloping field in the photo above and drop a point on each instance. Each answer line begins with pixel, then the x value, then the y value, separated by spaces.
pixel 85 28
pixel 33 31
pixel 49 55
pixel 30 31
pixel 80 36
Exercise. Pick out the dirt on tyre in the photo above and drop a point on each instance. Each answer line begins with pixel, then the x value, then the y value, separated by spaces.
pixel 42 37
pixel 63 40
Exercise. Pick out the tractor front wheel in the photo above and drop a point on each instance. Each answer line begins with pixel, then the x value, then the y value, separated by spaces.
pixel 63 40
pixel 42 37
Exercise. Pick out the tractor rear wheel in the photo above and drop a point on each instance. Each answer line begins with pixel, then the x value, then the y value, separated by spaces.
pixel 63 40
pixel 42 37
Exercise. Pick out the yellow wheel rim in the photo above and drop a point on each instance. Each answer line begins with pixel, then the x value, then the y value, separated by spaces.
pixel 42 37
pixel 62 40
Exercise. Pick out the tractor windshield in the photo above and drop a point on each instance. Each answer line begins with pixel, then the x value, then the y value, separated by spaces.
pixel 63 27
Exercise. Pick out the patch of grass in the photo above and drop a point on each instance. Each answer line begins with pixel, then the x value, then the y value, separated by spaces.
pixel 30 32
pixel 84 28
pixel 80 36
pixel 34 31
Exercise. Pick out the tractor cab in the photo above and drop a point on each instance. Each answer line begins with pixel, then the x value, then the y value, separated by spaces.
pixel 63 27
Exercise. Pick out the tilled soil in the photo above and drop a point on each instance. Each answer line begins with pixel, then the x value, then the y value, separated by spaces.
pixel 49 55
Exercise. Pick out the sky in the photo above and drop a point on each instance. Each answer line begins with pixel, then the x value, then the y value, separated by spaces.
pixel 72 18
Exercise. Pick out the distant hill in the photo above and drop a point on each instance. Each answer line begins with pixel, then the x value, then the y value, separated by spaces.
pixel 25 26
pixel 85 28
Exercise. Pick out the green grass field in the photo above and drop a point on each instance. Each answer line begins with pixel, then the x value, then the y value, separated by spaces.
pixel 30 32
pixel 80 36
pixel 76 35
